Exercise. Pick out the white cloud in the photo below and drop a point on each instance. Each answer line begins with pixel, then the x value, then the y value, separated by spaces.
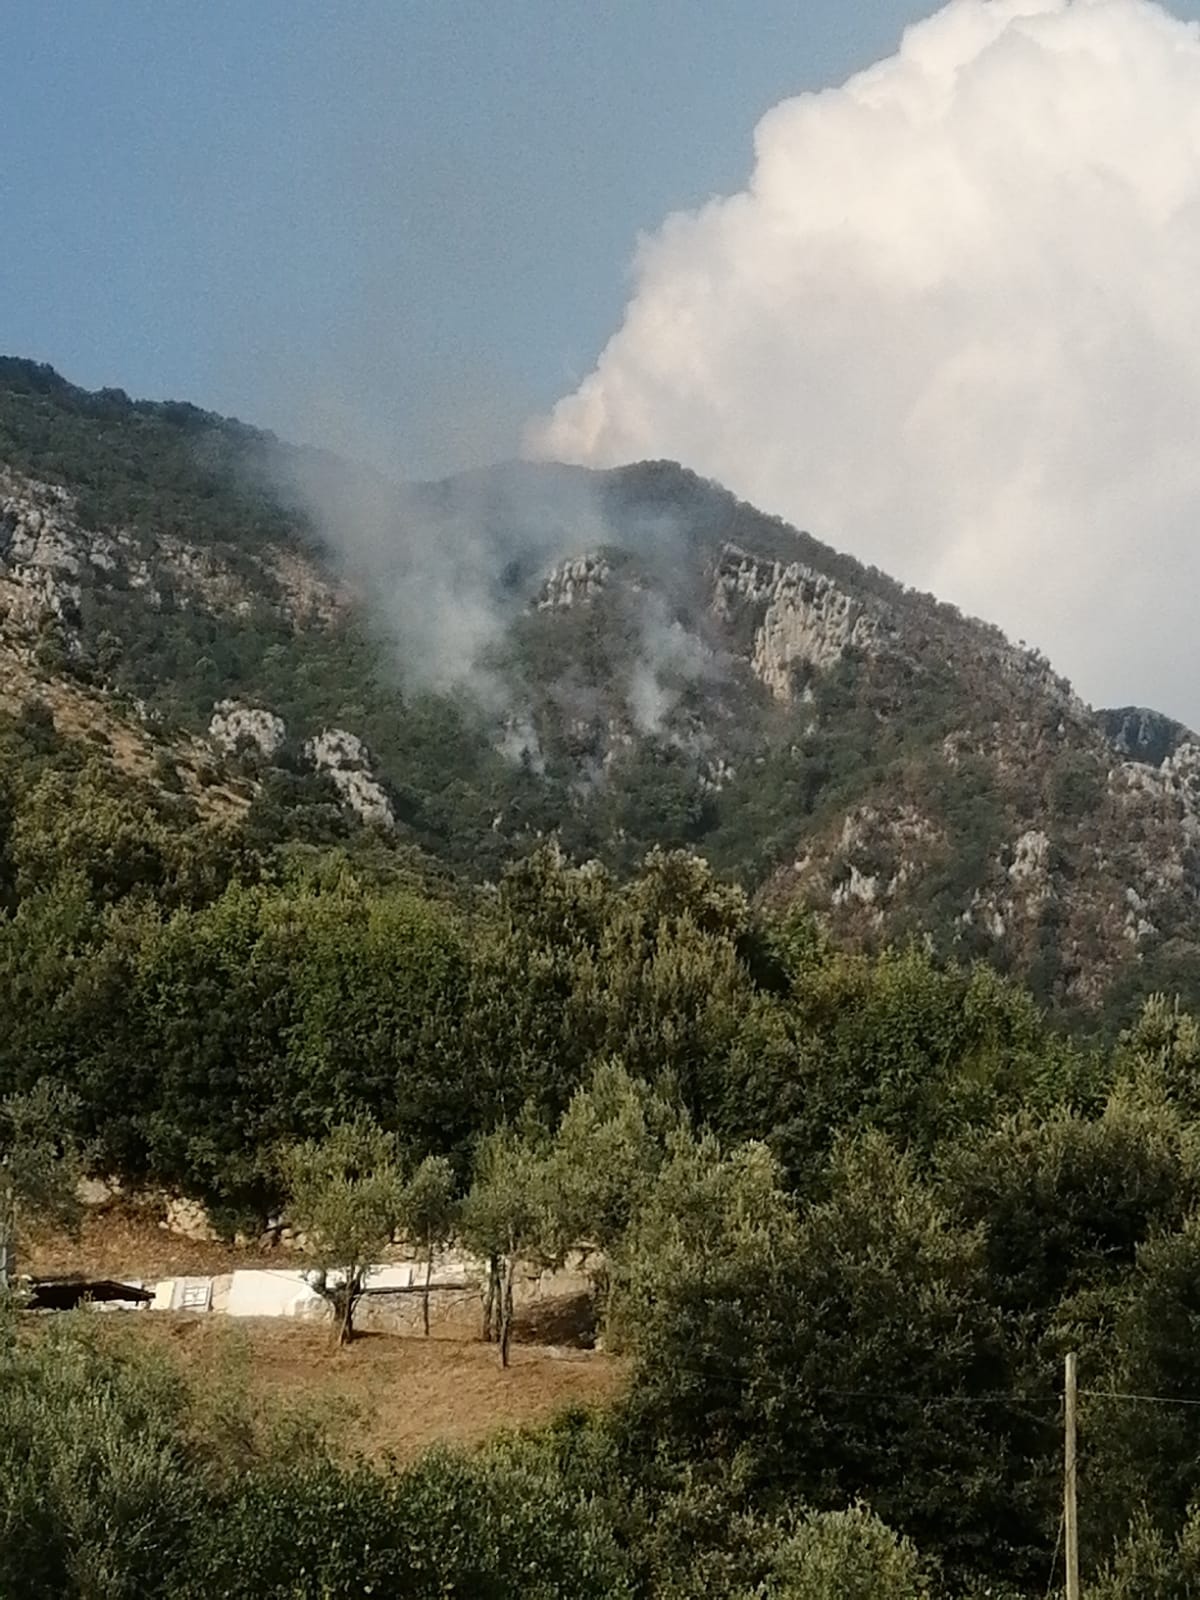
pixel 952 325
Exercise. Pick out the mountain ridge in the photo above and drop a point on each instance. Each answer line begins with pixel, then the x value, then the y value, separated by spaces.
pixel 653 662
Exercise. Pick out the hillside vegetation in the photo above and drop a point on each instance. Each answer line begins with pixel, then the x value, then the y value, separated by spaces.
pixel 656 665
pixel 853 1209
pixel 759 978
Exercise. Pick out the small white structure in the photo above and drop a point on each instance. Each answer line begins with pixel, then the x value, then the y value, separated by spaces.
pixel 269 1293
pixel 192 1294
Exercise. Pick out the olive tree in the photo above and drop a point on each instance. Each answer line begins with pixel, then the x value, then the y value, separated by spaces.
pixel 505 1221
pixel 845 1555
pixel 345 1199
pixel 602 1165
pixel 430 1213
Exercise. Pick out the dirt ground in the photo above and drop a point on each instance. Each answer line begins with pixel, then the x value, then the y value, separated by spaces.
pixel 383 1395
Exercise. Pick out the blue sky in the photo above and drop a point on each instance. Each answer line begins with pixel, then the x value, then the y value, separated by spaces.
pixel 399 226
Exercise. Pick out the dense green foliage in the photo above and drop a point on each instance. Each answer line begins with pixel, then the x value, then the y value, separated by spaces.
pixel 156 468
pixel 40 1166
pixel 851 1209
pixel 845 1212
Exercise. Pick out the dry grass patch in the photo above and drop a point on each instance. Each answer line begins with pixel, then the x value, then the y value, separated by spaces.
pixel 381 1395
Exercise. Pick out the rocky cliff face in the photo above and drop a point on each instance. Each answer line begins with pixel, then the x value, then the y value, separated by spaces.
pixel 573 582
pixel 42 553
pixel 803 621
pixel 52 567
pixel 346 760
pixel 235 727
pixel 1071 862
pixel 1141 734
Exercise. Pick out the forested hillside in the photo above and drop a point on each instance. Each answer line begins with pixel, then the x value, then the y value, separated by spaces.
pixel 774 935
pixel 851 1212
pixel 622 660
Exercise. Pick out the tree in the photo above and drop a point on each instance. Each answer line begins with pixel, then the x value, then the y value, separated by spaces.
pixel 430 1211
pixel 606 1156
pixel 491 1524
pixel 96 1491
pixel 845 1555
pixel 1147 1341
pixel 1150 1566
pixel 505 1220
pixel 713 1234
pixel 899 1044
pixel 836 1354
pixel 40 1164
pixel 345 1198
pixel 275 1012
pixel 88 824
pixel 1165 1041
pixel 1065 1201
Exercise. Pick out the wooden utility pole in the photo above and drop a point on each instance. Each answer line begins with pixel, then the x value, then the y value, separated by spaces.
pixel 1070 1517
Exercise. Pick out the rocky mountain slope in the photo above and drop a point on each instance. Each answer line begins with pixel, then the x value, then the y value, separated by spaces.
pixel 626 659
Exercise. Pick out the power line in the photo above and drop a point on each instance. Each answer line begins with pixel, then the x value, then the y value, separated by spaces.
pixel 1148 1399
pixel 1020 1405
pixel 714 1367
pixel 997 1397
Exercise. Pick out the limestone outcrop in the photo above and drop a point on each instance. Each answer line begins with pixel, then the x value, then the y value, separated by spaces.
pixel 805 619
pixel 345 759
pixel 573 583
pixel 235 726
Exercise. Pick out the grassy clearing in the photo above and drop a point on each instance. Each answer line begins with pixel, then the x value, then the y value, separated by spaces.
pixel 382 1395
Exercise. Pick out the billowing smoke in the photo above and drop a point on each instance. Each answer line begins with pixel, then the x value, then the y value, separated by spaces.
pixel 670 658
pixel 448 567
pixel 952 324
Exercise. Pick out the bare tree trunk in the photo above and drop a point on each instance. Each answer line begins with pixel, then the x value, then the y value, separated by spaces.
pixel 491 1302
pixel 344 1312
pixel 506 1310
pixel 425 1295
pixel 8 1228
